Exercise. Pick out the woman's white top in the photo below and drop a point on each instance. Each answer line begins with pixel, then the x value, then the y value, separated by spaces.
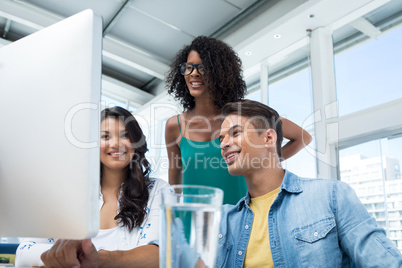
pixel 117 238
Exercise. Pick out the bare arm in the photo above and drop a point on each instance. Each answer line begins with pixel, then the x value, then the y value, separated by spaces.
pixel 172 133
pixel 298 138
pixel 143 256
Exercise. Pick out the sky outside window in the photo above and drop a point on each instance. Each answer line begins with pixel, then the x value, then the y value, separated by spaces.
pixel 370 73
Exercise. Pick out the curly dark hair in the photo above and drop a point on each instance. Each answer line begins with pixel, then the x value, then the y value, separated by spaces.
pixel 223 67
pixel 134 192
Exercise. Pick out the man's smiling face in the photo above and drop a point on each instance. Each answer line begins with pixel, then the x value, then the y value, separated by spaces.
pixel 242 146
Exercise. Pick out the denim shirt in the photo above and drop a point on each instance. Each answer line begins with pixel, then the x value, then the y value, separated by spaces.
pixel 312 223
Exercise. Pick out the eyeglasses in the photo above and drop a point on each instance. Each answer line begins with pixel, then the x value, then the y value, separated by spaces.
pixel 187 68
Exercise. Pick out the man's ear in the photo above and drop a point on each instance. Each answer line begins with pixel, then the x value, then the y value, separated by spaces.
pixel 270 138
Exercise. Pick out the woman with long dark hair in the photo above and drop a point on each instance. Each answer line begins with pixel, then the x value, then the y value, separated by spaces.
pixel 129 204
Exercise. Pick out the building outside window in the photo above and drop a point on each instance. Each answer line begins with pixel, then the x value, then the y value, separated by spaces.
pixel 372 169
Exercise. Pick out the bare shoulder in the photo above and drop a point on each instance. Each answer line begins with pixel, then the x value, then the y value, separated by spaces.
pixel 172 124
pixel 172 131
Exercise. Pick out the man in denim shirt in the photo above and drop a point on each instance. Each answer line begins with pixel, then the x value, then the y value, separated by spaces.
pixel 285 220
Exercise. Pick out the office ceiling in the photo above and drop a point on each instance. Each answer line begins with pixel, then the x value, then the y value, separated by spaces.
pixel 142 36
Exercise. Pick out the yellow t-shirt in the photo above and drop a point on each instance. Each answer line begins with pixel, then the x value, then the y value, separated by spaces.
pixel 258 252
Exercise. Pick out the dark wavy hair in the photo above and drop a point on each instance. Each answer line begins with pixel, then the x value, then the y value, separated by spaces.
pixel 134 192
pixel 223 76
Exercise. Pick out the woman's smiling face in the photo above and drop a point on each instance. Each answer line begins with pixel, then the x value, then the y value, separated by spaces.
pixel 116 149
pixel 195 81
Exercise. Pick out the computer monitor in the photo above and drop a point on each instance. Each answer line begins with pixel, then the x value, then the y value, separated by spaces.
pixel 50 85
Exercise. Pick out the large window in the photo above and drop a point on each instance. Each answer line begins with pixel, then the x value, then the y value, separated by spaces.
pixel 373 170
pixel 291 97
pixel 370 74
pixel 254 95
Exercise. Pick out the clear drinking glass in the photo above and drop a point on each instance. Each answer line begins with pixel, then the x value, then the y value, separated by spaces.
pixel 189 226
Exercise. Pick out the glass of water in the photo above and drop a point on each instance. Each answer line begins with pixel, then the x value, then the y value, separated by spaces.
pixel 189 225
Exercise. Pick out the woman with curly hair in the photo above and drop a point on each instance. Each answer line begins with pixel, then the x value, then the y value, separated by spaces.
pixel 128 203
pixel 204 76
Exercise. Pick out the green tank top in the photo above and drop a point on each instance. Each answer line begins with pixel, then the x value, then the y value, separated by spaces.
pixel 203 164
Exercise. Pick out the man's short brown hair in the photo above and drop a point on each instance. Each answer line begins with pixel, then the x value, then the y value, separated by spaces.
pixel 262 117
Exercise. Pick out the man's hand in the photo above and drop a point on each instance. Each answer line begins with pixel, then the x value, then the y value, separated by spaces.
pixel 72 254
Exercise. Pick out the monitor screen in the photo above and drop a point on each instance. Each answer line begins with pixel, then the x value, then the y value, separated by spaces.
pixel 49 135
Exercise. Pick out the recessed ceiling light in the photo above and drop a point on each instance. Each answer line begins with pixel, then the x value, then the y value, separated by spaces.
pixel 277 36
pixel 248 53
